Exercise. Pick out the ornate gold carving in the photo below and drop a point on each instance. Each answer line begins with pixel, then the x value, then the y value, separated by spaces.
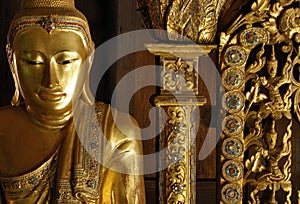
pixel 289 23
pixel 233 101
pixel 232 170
pixel 177 182
pixel 235 55
pixel 178 138
pixel 272 175
pixel 179 75
pixel 262 48
pixel 233 125
pixel 194 19
pixel 177 171
pixel 253 36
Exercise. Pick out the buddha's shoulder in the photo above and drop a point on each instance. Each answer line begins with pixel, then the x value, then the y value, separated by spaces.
pixel 10 115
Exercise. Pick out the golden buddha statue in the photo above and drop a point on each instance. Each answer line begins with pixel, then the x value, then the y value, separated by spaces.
pixel 42 158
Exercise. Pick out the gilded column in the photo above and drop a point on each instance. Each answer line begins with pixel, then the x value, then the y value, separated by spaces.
pixel 182 19
pixel 180 101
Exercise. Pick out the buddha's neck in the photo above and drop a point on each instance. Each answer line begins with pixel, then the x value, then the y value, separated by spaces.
pixel 47 121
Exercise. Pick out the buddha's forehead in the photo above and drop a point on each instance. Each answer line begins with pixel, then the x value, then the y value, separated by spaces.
pixel 49 42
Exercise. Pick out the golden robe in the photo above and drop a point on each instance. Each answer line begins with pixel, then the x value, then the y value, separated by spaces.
pixel 73 175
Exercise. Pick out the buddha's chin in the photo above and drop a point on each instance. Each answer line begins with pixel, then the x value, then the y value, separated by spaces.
pixel 51 109
pixel 49 118
pixel 57 104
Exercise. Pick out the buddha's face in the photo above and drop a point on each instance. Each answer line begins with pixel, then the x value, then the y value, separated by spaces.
pixel 50 68
pixel 271 140
pixel 272 70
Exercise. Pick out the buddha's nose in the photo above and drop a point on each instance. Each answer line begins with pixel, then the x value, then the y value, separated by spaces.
pixel 50 76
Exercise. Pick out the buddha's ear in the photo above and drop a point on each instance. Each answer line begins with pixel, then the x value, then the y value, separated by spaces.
pixel 13 67
pixel 86 92
pixel 10 58
pixel 91 54
pixel 91 58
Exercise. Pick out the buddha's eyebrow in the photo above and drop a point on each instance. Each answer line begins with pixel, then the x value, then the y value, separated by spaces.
pixel 31 51
pixel 61 51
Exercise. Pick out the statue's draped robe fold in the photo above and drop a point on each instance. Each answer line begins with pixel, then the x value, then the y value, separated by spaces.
pixel 74 175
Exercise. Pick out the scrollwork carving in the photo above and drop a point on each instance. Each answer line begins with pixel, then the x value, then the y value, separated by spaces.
pixel 177 154
pixel 269 63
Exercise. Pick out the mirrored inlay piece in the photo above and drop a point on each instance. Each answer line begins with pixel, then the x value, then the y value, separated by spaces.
pixel 235 56
pixel 178 128
pixel 49 23
pixel 232 125
pixel 176 157
pixel 233 101
pixel 233 78
pixel 231 193
pixel 232 171
pixel 232 148
pixel 91 183
pixel 178 188
pixel 253 36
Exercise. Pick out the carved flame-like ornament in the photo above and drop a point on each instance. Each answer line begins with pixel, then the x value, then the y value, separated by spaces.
pixel 194 19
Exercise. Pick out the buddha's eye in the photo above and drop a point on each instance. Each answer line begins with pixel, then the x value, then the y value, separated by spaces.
pixel 33 62
pixel 66 58
pixel 65 62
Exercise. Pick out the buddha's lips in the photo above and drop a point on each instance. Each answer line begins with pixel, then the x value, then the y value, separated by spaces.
pixel 55 96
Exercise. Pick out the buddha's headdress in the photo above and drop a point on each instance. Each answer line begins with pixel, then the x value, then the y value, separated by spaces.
pixel 50 15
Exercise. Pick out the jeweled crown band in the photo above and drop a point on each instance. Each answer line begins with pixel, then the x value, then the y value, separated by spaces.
pixel 50 23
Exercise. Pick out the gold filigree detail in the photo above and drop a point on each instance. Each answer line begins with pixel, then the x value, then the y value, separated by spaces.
pixel 177 176
pixel 179 75
pixel 289 23
pixel 194 19
pixel 271 90
pixel 33 183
